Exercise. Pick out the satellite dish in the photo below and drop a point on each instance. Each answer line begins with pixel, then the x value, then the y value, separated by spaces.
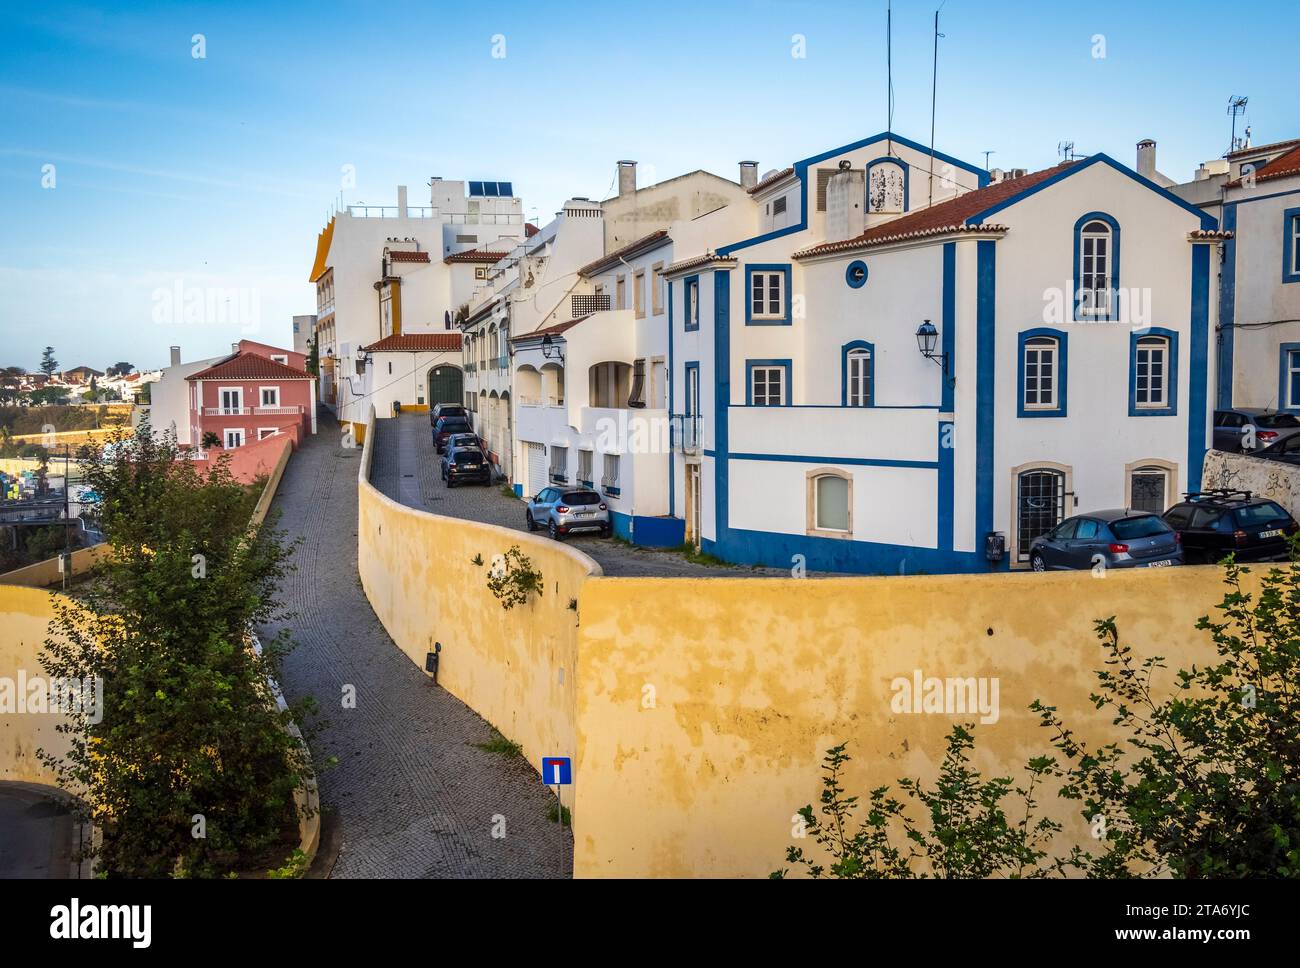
pixel 768 174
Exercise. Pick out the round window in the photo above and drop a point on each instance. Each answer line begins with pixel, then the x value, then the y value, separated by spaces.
pixel 856 274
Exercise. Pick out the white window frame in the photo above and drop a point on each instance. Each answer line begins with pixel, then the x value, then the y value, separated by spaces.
pixel 1292 368
pixel 1089 304
pixel 782 389
pixel 657 289
pixel 1038 344
pixel 261 396
pixel 280 358
pixel 239 395
pixel 812 478
pixel 1147 344
pixel 232 432
pixel 638 293
pixel 861 395
pixel 1295 245
pixel 620 292
pixel 264 432
pixel 765 296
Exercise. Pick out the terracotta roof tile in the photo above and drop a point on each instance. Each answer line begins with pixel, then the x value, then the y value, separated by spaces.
pixel 417 343
pixel 553 330
pixel 948 216
pixel 408 256
pixel 249 366
pixel 771 179
pixel 1279 167
pixel 477 255
pixel 651 241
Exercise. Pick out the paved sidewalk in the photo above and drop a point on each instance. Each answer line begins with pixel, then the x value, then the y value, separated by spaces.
pixel 413 795
pixel 405 468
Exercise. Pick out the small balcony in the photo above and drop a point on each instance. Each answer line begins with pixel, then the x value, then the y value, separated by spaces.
pixel 686 432
pixel 252 411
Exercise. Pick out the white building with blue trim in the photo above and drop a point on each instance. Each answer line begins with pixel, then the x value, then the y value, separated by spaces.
pixel 1067 318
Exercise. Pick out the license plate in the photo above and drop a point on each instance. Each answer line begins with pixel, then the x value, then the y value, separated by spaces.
pixel 1161 564
pixel 586 514
pixel 1270 534
pixel 469 467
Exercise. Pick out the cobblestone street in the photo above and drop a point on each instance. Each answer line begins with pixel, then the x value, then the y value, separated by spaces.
pixel 405 468
pixel 413 795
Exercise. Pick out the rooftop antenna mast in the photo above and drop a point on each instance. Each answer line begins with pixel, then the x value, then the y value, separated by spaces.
pixel 1066 150
pixel 889 75
pixel 1236 108
pixel 934 95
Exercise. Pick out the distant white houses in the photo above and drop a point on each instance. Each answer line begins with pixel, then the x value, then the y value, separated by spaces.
pixel 1255 192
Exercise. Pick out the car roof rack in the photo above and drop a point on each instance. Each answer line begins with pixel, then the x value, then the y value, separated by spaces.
pixel 1218 494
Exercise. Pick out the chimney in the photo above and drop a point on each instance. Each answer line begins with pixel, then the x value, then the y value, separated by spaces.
pixel 176 356
pixel 626 177
pixel 401 201
pixel 748 174
pixel 1146 159
pixel 234 347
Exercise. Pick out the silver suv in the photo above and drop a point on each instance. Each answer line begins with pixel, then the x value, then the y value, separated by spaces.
pixel 564 511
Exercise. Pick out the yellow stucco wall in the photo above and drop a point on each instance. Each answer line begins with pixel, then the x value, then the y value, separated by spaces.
pixel 516 667
pixel 752 680
pixel 25 614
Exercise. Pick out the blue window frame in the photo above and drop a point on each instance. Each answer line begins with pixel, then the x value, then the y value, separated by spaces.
pixel 1153 373
pixel 876 200
pixel 1288 380
pixel 855 274
pixel 767 383
pixel 691 388
pixel 1042 383
pixel 691 302
pixel 767 294
pixel 858 374
pixel 1096 267
pixel 1291 245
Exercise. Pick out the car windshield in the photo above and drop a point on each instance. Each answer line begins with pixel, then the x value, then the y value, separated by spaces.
pixel 454 427
pixel 582 497
pixel 1283 420
pixel 1261 513
pixel 1146 526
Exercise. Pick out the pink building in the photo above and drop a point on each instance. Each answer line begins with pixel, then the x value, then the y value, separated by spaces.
pixel 258 391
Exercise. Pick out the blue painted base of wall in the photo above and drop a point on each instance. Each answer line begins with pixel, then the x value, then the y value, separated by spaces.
pixel 845 557
pixel 519 490
pixel 650 532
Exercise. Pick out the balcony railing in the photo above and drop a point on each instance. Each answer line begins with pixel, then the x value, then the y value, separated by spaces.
pixel 686 432
pixel 251 411
pixel 541 401
pixel 610 486
pixel 559 475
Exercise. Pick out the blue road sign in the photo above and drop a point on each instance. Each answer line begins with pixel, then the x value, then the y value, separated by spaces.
pixel 557 770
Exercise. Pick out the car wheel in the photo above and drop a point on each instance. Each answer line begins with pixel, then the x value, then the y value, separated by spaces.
pixel 528 516
pixel 1036 562
pixel 551 530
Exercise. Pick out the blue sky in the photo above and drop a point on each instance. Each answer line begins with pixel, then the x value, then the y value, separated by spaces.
pixel 217 173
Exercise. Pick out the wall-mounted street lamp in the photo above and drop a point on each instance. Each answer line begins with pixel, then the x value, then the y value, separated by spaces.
pixel 552 350
pixel 927 339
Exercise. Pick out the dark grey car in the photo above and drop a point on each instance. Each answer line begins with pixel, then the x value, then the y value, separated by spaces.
pixel 568 510
pixel 1109 539
pixel 1233 428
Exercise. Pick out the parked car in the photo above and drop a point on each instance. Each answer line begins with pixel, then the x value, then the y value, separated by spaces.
pixel 465 465
pixel 1286 450
pixel 464 440
pixel 1271 427
pixel 445 428
pixel 564 511
pixel 446 410
pixel 1215 523
pixel 1113 539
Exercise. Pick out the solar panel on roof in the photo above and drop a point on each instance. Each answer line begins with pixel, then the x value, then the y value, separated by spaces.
pixel 506 189
pixel 476 188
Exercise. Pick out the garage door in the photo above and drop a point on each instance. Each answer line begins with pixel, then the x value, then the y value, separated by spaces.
pixel 537 468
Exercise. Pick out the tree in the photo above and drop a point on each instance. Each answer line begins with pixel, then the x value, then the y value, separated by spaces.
pixel 211 440
pixel 49 365
pixel 313 359
pixel 1205 784
pixel 120 369
pixel 190 737
pixel 146 394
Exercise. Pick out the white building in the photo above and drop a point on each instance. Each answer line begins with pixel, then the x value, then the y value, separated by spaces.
pixel 169 398
pixel 1066 371
pixel 379 271
pixel 1255 192
pixel 304 331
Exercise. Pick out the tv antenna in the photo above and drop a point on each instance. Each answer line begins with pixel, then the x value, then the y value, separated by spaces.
pixel 986 159
pixel 1236 107
pixel 1066 150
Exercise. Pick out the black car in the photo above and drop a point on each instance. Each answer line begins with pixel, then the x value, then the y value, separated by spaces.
pixel 446 410
pixel 1216 523
pixel 1112 539
pixel 445 427
pixel 465 465
pixel 1286 450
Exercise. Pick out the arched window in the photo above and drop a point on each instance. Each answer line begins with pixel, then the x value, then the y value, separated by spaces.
pixel 1096 247
pixel 859 374
pixel 1042 373
pixel 1153 372
pixel 1149 484
pixel 1040 505
pixel 830 503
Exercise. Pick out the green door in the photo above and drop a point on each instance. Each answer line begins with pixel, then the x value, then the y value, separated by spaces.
pixel 446 385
